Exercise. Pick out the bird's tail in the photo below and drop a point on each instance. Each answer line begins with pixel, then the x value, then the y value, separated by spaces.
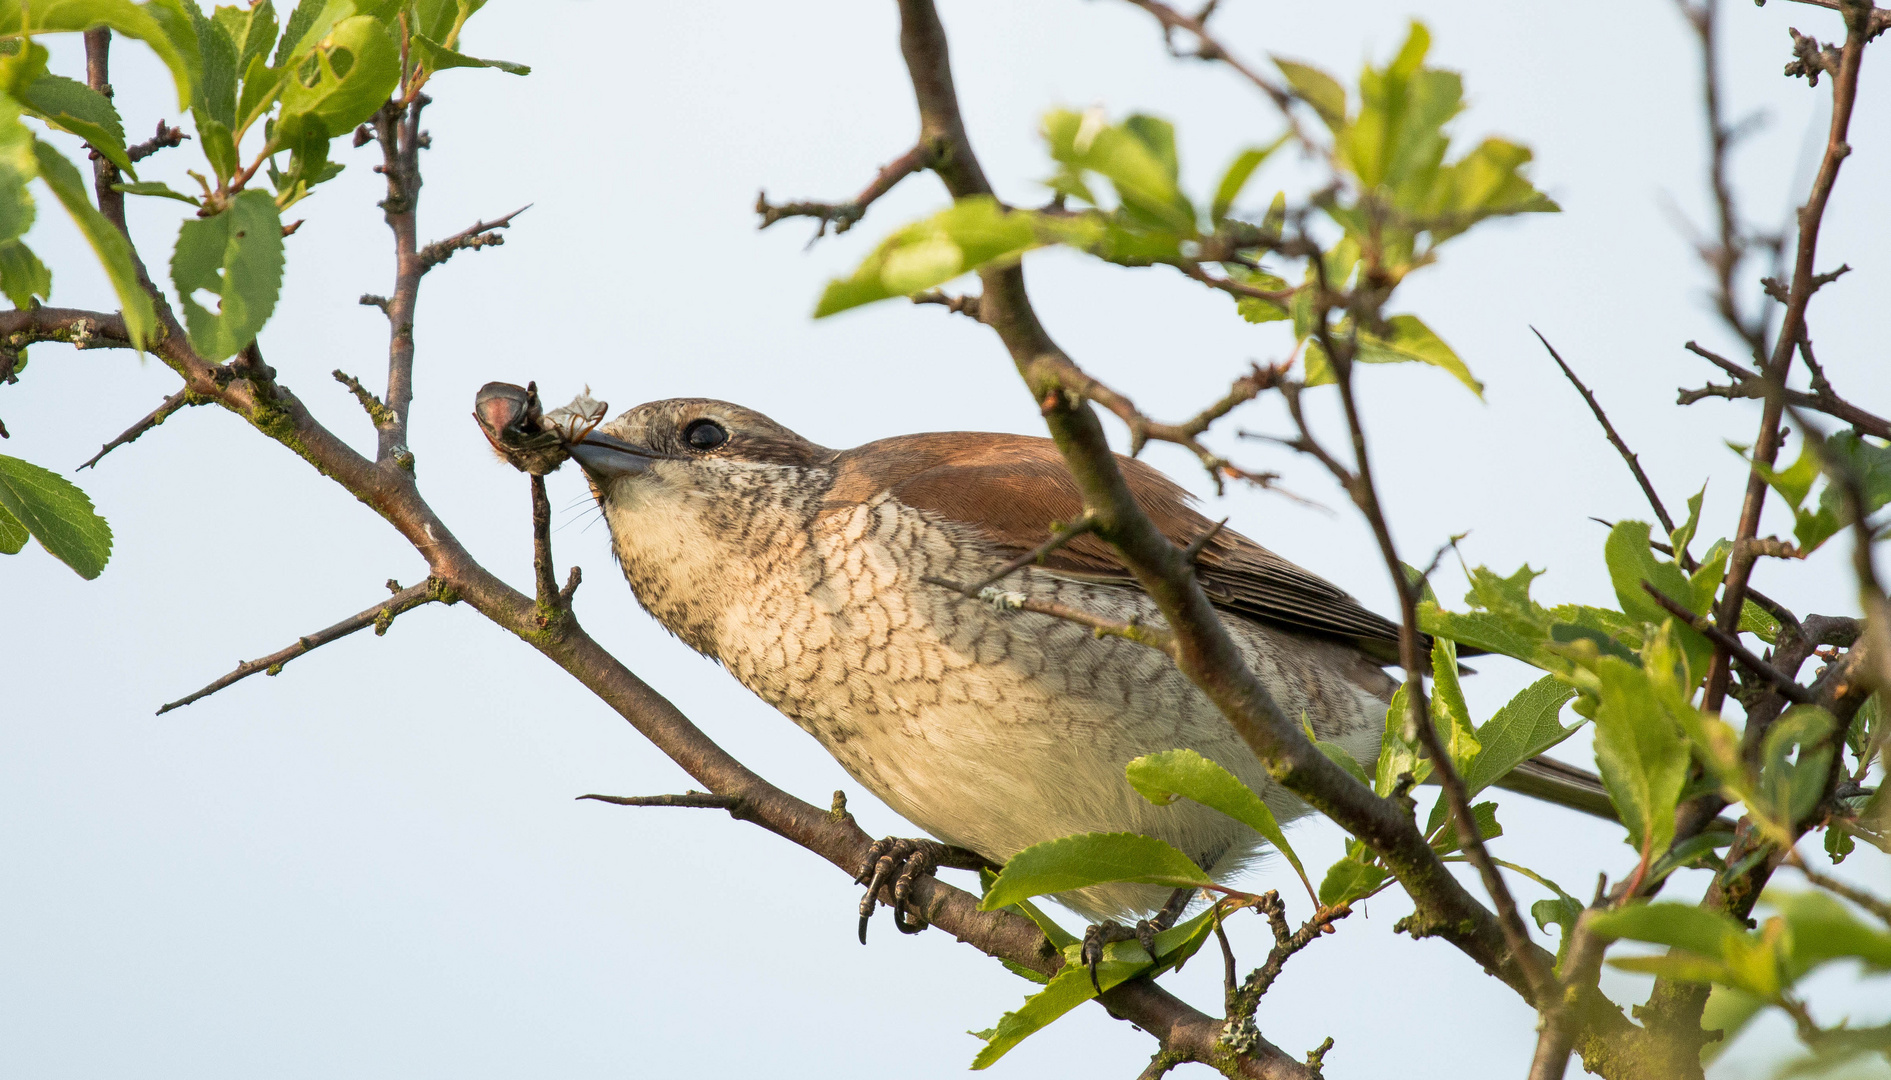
pixel 1565 785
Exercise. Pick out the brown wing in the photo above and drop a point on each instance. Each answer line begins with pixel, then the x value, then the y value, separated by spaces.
pixel 1013 487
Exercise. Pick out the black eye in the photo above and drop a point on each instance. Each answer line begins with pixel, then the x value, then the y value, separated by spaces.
pixel 705 435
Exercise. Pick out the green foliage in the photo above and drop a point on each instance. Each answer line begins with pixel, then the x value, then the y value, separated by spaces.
pixel 57 514
pixel 1071 986
pixel 110 245
pixel 1641 750
pixel 1162 778
pixel 974 232
pixel 1077 862
pixel 1525 727
pixel 237 256
pixel 1351 878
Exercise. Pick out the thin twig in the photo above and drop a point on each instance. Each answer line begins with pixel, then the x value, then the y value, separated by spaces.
pixel 1795 693
pixel 1608 429
pixel 1083 526
pixel 1016 601
pixel 843 215
pixel 1833 885
pixel 699 799
pixel 151 419
pixel 166 136
pixel 380 616
pixel 1750 384
pixel 378 413
pixel 477 235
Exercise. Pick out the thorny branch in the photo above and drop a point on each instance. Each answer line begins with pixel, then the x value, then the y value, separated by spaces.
pixel 1751 384
pixel 151 419
pixel 843 215
pixel 475 236
pixel 1628 456
pixel 380 616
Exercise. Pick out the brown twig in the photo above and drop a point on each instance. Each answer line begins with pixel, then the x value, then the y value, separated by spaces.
pixel 957 305
pixel 166 136
pixel 1608 429
pixel 1830 884
pixel 1795 693
pixel 698 799
pixel 1005 600
pixel 151 419
pixel 378 413
pixel 1750 384
pixel 1062 535
pixel 380 616
pixel 475 236
pixel 843 215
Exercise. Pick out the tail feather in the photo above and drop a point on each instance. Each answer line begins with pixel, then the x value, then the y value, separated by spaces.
pixel 1565 785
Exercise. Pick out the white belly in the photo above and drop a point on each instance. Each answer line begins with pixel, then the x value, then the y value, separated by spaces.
pixel 994 730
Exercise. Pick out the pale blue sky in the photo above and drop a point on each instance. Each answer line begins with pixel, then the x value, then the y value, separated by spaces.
pixel 372 865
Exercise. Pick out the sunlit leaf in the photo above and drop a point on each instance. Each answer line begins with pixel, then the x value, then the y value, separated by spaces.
pixel 58 515
pixel 113 250
pixel 237 257
pixel 1077 862
pixel 1164 777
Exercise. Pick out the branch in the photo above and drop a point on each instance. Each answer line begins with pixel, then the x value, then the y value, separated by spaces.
pixel 1795 693
pixel 1750 384
pixel 475 236
pixel 397 127
pixel 380 616
pixel 166 136
pixel 1858 20
pixel 699 799
pixel 1880 17
pixel 1242 1001
pixel 151 419
pixel 1831 884
pixel 1634 464
pixel 378 414
pixel 843 215
pixel 80 329
pixel 1204 652
pixel 1209 48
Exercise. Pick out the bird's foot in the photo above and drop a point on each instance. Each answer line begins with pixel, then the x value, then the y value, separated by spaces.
pixel 1096 936
pixel 902 862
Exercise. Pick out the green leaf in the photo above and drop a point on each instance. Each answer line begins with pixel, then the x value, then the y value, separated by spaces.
pixel 1484 814
pixel 1639 752
pixel 1136 156
pixel 12 534
pixel 1824 930
pixel 1791 783
pixel 1759 622
pixel 58 515
pixel 18 167
pixel 129 19
pixel 434 56
pixel 1795 482
pixel 974 232
pixel 309 23
pixel 1055 934
pixel 1562 910
pixel 1077 862
pixel 253 30
pixel 1450 716
pixel 216 90
pixel 1683 536
pixel 23 276
pixel 157 188
pixel 306 138
pixel 1350 879
pixel 1069 988
pixel 237 256
pixel 1521 730
pixel 350 73
pixel 113 250
pixel 1236 178
pixel 1164 777
pixel 1318 89
pixel 1398 749
pixel 262 85
pixel 1413 342
pixel 77 108
pixel 1631 561
pixel 1676 925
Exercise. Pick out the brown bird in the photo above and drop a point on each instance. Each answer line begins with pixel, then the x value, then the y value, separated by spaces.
pixel 802 570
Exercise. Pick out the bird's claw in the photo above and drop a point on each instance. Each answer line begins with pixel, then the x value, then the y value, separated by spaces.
pixel 1106 933
pixel 902 862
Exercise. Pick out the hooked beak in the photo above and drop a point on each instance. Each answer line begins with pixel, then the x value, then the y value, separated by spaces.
pixel 604 458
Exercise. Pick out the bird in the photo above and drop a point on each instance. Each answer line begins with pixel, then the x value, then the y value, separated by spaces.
pixel 812 575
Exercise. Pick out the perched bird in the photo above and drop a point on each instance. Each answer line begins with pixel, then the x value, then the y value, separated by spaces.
pixel 802 570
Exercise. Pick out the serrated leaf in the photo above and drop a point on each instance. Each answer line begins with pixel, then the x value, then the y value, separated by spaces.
pixel 1350 879
pixel 77 108
pixel 1412 341
pixel 347 76
pixel 973 232
pixel 1163 777
pixel 1631 561
pixel 1639 752
pixel 1055 934
pixel 1235 178
pixel 1561 910
pixel 1398 749
pixel 113 250
pixel 1067 989
pixel 434 56
pixel 1525 727
pixel 23 277
pixel 1795 757
pixel 236 256
pixel 158 189
pixel 1136 156
pixel 58 515
pixel 216 89
pixel 253 30
pixel 1450 716
pixel 1316 88
pixel 129 19
pixel 12 534
pixel 1483 814
pixel 1078 862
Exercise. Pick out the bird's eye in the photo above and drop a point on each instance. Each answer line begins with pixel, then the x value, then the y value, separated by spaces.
pixel 705 435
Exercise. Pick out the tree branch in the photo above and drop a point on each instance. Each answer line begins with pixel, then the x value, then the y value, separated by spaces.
pixel 843 215
pixel 475 236
pixel 380 616
pixel 151 419
pixel 1750 384
pixel 1608 429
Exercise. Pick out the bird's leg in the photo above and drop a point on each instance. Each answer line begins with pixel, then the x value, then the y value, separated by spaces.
pixel 1143 933
pixel 903 862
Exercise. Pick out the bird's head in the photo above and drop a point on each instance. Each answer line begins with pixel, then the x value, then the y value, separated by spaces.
pixel 682 446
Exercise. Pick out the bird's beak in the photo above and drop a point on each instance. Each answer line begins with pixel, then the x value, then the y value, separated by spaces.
pixel 604 458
